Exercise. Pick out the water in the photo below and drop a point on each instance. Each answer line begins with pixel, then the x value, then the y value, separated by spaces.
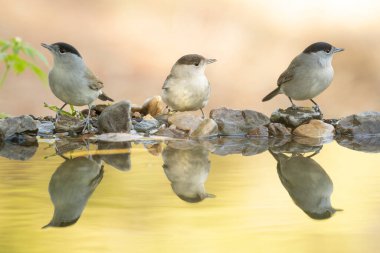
pixel 181 197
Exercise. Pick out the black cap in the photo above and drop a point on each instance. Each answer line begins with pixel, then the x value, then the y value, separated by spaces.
pixel 190 59
pixel 318 46
pixel 64 47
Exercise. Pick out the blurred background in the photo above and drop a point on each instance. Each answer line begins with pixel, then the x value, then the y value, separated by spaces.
pixel 131 46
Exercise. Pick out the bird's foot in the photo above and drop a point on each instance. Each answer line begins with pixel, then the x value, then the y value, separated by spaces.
pixel 87 126
pixel 294 107
pixel 317 109
pixel 57 117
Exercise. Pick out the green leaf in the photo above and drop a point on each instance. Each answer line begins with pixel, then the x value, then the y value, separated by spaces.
pixel 36 70
pixel 4 115
pixel 33 52
pixel 56 109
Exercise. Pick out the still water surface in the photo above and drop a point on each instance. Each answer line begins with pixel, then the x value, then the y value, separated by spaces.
pixel 181 197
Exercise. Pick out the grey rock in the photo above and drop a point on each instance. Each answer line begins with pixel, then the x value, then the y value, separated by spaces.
pixel 207 128
pixel 361 124
pixel 244 146
pixel 46 128
pixel 369 144
pixel 237 122
pixel 68 124
pixel 294 117
pixel 116 118
pixel 120 161
pixel 278 130
pixel 146 126
pixel 14 125
pixel 261 131
pixel 18 152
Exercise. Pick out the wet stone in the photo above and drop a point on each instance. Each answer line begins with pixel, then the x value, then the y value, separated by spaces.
pixel 185 121
pixel 237 122
pixel 294 117
pixel 315 129
pixel 295 147
pixel 145 126
pixel 16 125
pixel 207 128
pixel 46 129
pixel 116 118
pixel 361 124
pixel 68 124
pixel 153 106
pixel 278 130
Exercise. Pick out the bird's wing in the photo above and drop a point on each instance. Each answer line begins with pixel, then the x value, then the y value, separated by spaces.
pixel 93 82
pixel 288 74
pixel 165 86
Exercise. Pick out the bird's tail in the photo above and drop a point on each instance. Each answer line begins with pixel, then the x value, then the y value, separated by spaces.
pixel 104 97
pixel 272 94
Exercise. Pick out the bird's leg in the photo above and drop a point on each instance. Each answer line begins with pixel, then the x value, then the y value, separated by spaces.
pixel 316 106
pixel 87 124
pixel 59 112
pixel 203 114
pixel 293 105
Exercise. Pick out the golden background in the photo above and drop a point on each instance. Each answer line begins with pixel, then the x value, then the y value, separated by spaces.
pixel 131 46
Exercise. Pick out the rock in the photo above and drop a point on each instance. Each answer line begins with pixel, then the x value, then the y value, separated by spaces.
pixel 145 126
pixel 18 152
pixel 370 144
pixel 361 124
pixel 294 117
pixel 207 128
pixel 69 124
pixel 46 129
pixel 237 122
pixel 278 130
pixel 116 118
pixel 244 146
pixel 172 133
pixel 185 121
pixel 16 125
pixel 118 154
pixel 261 131
pixel 315 129
pixel 153 106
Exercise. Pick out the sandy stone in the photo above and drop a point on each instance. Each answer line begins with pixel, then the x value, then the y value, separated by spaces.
pixel 315 129
pixel 207 128
pixel 185 121
pixel 153 106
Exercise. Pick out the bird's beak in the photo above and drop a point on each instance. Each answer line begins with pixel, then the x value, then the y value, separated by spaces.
pixel 209 61
pixel 50 48
pixel 337 50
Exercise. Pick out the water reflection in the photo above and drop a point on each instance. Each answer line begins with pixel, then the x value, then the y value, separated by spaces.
pixel 307 183
pixel 187 166
pixel 71 186
pixel 120 161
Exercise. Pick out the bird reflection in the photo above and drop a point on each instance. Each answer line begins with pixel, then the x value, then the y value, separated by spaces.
pixel 307 184
pixel 187 168
pixel 70 187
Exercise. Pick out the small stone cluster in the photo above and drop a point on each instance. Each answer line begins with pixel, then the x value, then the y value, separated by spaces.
pixel 154 119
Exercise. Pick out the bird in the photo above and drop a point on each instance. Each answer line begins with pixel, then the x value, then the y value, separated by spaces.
pixel 307 183
pixel 71 186
pixel 308 74
pixel 71 80
pixel 187 87
pixel 187 168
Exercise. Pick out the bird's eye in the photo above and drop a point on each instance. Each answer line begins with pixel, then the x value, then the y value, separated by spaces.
pixel 196 64
pixel 327 50
pixel 61 50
